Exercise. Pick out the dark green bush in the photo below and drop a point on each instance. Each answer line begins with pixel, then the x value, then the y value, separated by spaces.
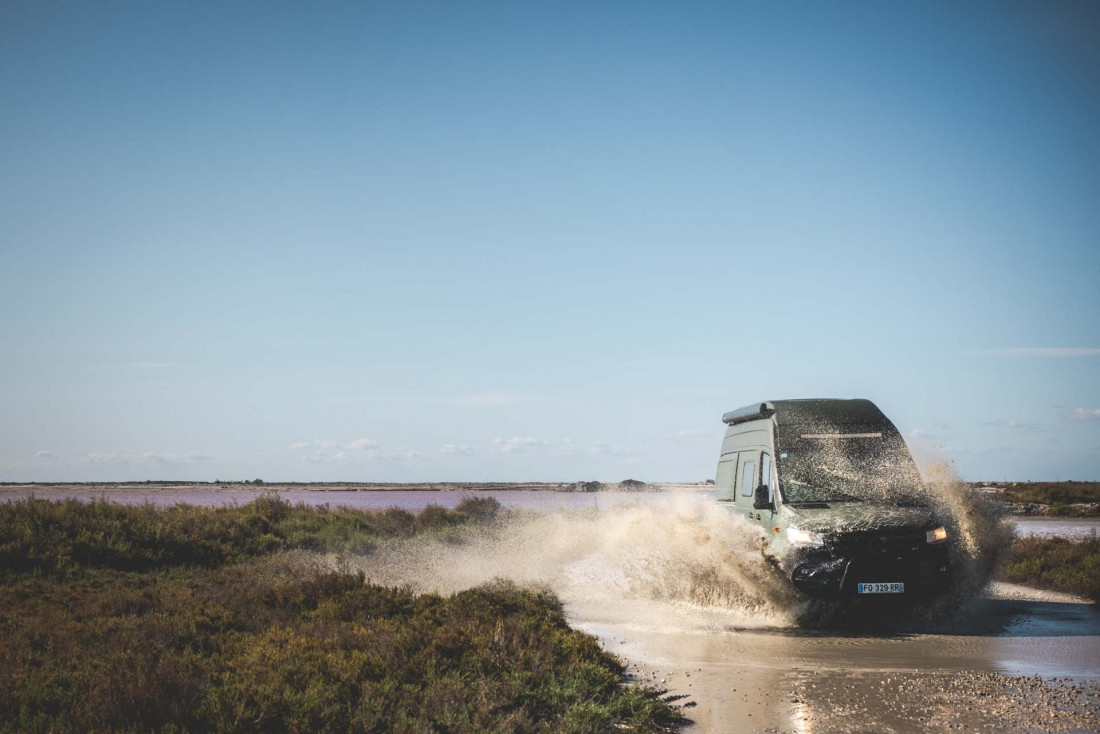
pixel 1059 564
pixel 116 618
pixel 434 517
pixel 1049 493
pixel 276 646
pixel 59 538
pixel 482 509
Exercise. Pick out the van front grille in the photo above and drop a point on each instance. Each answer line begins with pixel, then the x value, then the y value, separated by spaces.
pixel 875 545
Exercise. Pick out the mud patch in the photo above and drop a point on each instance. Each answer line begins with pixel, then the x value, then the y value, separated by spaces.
pixel 840 702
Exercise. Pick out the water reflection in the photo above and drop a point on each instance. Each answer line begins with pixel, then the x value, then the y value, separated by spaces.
pixel 800 718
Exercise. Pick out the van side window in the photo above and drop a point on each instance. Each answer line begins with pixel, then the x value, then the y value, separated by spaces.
pixel 748 474
pixel 766 475
pixel 725 479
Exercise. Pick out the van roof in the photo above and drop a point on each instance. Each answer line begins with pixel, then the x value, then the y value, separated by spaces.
pixel 833 411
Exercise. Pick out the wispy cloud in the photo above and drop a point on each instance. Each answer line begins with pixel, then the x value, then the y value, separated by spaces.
pixel 519 444
pixel 489 399
pixel 458 449
pixel 568 447
pixel 134 366
pixel 358 444
pixel 474 400
pixel 1011 423
pixel 359 449
pixel 147 457
pixel 43 454
pixel 977 450
pixel 1038 352
pixel 688 434
pixel 562 447
pixel 1084 414
pixel 365 449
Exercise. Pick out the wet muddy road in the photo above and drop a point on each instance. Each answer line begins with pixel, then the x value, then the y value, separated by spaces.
pixel 974 674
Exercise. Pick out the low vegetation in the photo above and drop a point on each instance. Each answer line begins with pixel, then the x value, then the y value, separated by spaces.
pixel 117 618
pixel 1059 564
pixel 59 538
pixel 1052 493
pixel 1062 499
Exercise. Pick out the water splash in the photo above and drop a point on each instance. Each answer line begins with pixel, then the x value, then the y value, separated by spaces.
pixel 685 551
pixel 983 530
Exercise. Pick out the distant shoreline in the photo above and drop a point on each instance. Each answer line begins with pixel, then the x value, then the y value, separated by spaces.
pixel 1044 499
pixel 1062 499
pixel 368 486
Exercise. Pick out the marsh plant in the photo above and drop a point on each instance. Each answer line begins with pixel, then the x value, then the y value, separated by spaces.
pixel 116 618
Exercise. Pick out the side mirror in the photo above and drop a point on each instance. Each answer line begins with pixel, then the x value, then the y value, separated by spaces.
pixel 760 499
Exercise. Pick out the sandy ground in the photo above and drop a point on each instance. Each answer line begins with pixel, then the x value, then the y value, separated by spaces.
pixel 1025 661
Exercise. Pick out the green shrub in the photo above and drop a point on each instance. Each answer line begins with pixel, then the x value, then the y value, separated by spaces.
pixel 276 646
pixel 482 509
pixel 434 517
pixel 117 618
pixel 1059 564
pixel 60 538
pixel 1049 493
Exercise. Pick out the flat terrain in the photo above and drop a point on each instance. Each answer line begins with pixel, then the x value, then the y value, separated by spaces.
pixel 261 486
pixel 1054 499
pixel 138 618
pixel 1018 661
pixel 654 576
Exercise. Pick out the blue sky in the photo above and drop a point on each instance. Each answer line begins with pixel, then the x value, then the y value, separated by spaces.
pixel 504 241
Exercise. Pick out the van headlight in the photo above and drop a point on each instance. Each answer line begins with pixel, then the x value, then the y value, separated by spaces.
pixel 798 536
pixel 938 535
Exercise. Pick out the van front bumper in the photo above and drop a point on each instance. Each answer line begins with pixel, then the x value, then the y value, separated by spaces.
pixel 824 572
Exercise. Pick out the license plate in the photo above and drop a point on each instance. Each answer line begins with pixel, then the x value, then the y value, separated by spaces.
pixel 890 587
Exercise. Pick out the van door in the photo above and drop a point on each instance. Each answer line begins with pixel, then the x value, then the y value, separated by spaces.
pixel 725 479
pixel 766 474
pixel 747 483
pixel 767 477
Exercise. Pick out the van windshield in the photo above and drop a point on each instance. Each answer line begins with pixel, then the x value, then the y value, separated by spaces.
pixel 847 465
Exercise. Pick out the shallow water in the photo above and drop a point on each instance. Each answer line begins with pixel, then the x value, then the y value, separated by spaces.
pixel 412 500
pixel 416 500
pixel 1064 527
pixel 744 679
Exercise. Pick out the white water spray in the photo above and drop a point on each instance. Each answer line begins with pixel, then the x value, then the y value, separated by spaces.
pixel 690 552
pixel 686 551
